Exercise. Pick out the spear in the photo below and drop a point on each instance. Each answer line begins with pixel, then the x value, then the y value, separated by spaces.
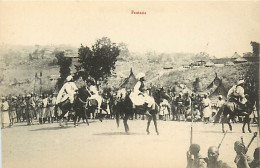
pixel 252 139
pixel 222 140
pixel 191 127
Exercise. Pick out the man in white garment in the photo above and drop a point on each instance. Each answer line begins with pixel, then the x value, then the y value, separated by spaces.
pixel 236 92
pixel 139 96
pixel 67 91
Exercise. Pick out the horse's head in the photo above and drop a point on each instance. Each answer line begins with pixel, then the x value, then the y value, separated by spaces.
pixel 83 93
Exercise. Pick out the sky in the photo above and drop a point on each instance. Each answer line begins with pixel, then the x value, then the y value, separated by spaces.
pixel 219 28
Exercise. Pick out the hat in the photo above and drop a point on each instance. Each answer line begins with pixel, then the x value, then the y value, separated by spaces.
pixel 240 82
pixel 140 75
pixel 69 78
pixel 28 95
pixel 3 98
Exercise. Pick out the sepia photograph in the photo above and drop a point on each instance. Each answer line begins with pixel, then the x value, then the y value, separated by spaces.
pixel 121 84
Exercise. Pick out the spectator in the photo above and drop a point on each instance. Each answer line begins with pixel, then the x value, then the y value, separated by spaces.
pixel 4 111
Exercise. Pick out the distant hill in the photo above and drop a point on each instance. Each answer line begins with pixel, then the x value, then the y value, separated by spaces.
pixel 20 64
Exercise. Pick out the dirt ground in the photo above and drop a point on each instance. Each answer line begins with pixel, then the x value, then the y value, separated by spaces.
pixel 104 145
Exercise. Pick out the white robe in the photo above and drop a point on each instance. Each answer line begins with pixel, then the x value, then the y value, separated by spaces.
pixel 235 91
pixel 138 98
pixel 206 110
pixel 68 90
pixel 164 106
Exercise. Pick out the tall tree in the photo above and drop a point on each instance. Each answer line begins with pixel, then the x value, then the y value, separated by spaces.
pixel 64 64
pixel 98 62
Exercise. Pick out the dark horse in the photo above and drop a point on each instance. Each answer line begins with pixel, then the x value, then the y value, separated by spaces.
pixel 124 107
pixel 232 109
pixel 82 106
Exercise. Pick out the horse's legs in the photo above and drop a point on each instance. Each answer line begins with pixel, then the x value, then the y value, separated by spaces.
pixel 228 122
pixel 125 123
pixel 243 127
pixel 75 120
pixel 248 124
pixel 224 118
pixel 86 116
pixel 155 123
pixel 246 121
pixel 148 124
pixel 117 118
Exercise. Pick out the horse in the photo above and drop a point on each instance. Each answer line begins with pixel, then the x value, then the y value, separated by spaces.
pixel 124 106
pixel 232 109
pixel 81 105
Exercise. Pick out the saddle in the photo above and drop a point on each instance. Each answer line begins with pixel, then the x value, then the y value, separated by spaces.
pixel 239 108
pixel 93 103
pixel 141 109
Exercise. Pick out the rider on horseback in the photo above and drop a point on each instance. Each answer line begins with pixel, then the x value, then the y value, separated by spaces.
pixel 139 97
pixel 236 93
pixel 68 91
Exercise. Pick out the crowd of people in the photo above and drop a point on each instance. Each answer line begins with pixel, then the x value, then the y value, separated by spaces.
pixel 242 160
pixel 28 108
pixel 181 106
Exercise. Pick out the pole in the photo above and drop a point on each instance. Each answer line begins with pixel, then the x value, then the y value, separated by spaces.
pixel 191 128
pixel 222 140
pixel 252 139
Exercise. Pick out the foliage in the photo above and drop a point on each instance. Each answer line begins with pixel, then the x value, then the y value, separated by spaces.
pixel 98 62
pixel 64 64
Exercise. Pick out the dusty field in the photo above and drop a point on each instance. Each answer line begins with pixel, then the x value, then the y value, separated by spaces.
pixel 105 145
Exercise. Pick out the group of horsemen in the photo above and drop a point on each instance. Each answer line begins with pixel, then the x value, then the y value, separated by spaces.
pixel 170 103
pixel 139 97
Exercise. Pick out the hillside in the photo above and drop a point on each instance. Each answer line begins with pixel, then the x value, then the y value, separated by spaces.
pixel 19 66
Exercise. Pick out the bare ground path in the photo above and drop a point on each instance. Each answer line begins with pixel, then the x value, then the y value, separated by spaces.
pixel 105 145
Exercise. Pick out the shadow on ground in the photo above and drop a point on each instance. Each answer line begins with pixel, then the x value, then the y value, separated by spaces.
pixel 70 125
pixel 52 128
pixel 117 133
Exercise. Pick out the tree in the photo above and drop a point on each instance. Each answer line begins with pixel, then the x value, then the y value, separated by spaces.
pixel 64 64
pixel 98 62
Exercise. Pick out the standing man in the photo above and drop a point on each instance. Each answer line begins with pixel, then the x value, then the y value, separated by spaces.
pixel 4 112
pixel 52 101
pixel 206 108
pixel 12 110
pixel 29 109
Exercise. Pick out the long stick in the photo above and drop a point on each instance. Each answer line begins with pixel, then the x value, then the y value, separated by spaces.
pixel 252 139
pixel 242 140
pixel 222 139
pixel 191 128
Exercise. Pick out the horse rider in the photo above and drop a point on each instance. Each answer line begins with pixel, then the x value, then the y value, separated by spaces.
pixel 236 93
pixel 139 97
pixel 67 92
